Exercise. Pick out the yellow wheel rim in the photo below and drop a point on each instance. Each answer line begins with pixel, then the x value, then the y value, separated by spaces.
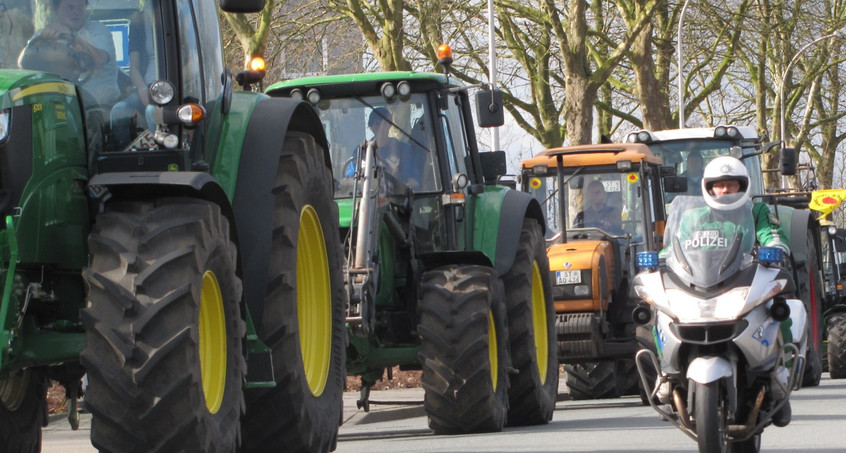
pixel 212 342
pixel 314 301
pixel 539 322
pixel 492 351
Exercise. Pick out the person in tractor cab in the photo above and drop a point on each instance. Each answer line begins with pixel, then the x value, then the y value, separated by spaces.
pixel 693 172
pixel 93 44
pixel 133 113
pixel 598 213
pixel 396 155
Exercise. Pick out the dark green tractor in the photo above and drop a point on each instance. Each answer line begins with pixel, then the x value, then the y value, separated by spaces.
pixel 446 269
pixel 185 258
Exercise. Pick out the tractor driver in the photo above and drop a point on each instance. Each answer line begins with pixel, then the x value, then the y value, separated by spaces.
pixel 92 40
pixel 396 155
pixel 597 212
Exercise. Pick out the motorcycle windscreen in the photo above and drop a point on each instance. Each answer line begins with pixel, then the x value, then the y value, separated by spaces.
pixel 707 245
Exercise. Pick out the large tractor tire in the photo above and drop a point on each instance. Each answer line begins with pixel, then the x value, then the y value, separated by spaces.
pixel 163 329
pixel 592 380
pixel 837 346
pixel 304 312
pixel 23 411
pixel 810 285
pixel 531 331
pixel 628 379
pixel 463 350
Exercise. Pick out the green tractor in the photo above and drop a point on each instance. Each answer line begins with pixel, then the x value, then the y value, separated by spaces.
pixel 185 258
pixel 446 269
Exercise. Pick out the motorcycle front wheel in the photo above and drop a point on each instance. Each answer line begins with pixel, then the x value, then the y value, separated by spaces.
pixel 710 414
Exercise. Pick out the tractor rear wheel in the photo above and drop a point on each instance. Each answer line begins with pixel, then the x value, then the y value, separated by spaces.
pixel 531 331
pixel 462 349
pixel 23 411
pixel 837 346
pixel 592 380
pixel 304 311
pixel 163 328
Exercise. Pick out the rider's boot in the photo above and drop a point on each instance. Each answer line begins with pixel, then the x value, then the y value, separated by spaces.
pixel 782 417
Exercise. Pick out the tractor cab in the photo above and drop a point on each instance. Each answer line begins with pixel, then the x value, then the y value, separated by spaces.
pixel 143 83
pixel 420 129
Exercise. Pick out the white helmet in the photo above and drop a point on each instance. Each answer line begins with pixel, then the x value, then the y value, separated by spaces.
pixel 725 168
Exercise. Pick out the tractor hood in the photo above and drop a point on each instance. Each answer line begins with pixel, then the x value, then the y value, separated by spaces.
pixel 577 254
pixel 18 87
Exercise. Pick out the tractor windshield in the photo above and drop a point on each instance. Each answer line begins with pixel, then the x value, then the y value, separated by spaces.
pixel 689 157
pixel 110 50
pixel 403 134
pixel 611 202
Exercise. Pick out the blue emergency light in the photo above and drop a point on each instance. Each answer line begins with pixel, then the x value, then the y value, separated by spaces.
pixel 647 260
pixel 769 255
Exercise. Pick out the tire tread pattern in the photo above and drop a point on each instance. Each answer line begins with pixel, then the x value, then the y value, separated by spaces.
pixel 456 302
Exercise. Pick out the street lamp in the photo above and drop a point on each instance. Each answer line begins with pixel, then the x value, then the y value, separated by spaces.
pixel 839 33
pixel 679 53
pixel 492 63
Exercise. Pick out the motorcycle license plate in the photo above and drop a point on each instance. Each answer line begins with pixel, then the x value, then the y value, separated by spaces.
pixel 568 277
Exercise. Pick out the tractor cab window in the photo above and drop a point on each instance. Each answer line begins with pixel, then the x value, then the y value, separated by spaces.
pixel 456 136
pixel 611 202
pixel 690 157
pixel 109 49
pixel 402 131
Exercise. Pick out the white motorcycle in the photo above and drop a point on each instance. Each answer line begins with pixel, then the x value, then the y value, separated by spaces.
pixel 722 367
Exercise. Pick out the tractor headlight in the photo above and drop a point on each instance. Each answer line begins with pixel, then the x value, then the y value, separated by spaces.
pixel 161 92
pixel 5 118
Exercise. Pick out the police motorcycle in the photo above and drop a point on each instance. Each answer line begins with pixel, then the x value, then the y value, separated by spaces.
pixel 715 303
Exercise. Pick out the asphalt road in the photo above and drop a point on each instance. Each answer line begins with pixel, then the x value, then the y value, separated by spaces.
pixel 619 425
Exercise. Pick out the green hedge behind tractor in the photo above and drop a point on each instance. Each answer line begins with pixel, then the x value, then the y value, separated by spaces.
pixel 446 269
pixel 183 253
pixel 679 147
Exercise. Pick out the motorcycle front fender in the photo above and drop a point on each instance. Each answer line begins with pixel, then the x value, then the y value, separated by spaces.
pixel 709 369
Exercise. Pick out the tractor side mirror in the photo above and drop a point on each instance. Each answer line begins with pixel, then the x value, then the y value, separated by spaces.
pixel 493 165
pixel 788 161
pixel 667 170
pixel 242 6
pixel 675 184
pixel 489 108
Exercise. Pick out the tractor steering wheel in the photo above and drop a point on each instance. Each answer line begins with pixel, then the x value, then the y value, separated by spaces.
pixel 59 57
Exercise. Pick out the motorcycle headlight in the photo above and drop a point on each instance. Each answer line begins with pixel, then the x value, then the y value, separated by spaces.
pixel 726 306
pixel 651 294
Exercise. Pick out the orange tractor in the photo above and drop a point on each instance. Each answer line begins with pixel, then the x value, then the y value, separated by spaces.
pixel 603 204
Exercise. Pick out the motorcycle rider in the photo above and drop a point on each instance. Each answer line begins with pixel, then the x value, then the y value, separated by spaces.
pixel 725 187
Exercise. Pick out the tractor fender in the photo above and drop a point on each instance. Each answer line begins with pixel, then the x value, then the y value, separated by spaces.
pixel 145 184
pixel 516 206
pixel 795 224
pixel 431 260
pixel 253 201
